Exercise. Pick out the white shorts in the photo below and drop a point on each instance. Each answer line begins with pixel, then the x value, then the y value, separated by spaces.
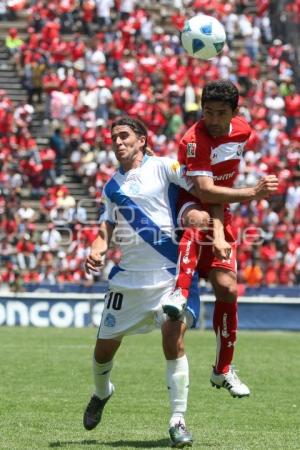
pixel 132 311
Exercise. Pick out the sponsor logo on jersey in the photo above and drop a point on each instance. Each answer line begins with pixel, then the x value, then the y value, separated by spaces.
pixel 175 166
pixel 239 150
pixel 228 151
pixel 110 321
pixel 224 176
pixel 191 149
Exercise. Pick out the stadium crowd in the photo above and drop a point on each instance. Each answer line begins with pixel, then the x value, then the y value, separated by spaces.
pixel 89 61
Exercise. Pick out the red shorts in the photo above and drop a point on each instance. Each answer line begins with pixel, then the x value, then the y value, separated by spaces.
pixel 207 260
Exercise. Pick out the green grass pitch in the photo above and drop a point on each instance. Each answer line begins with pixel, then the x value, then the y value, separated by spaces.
pixel 46 382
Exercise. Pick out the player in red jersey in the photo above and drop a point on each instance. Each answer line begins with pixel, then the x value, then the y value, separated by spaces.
pixel 211 150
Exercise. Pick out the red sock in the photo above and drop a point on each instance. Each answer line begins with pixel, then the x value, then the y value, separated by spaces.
pixel 225 323
pixel 189 248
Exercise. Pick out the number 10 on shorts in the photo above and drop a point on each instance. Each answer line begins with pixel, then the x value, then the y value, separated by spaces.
pixel 114 301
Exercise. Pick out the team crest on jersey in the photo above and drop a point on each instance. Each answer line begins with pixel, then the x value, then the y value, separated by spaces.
pixel 132 177
pixel 133 184
pixel 191 149
pixel 134 188
pixel 110 321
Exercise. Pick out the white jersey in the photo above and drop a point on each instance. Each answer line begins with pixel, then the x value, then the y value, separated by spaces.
pixel 141 203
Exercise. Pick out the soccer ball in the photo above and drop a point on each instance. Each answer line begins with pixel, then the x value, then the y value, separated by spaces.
pixel 203 37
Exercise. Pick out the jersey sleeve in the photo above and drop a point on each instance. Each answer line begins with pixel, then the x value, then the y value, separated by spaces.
pixel 195 157
pixel 176 173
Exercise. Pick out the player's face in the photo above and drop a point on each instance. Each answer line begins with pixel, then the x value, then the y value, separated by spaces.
pixel 127 145
pixel 217 117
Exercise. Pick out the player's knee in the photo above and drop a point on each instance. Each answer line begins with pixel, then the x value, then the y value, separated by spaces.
pixel 227 293
pixel 195 218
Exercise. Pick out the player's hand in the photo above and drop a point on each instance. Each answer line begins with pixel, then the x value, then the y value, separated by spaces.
pixel 95 261
pixel 221 249
pixel 266 186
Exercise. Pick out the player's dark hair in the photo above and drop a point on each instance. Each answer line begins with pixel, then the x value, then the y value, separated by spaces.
pixel 220 91
pixel 135 124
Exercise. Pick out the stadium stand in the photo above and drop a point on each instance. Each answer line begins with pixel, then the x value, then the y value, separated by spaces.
pixel 68 68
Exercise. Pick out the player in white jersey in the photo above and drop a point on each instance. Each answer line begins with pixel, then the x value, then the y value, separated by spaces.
pixel 140 212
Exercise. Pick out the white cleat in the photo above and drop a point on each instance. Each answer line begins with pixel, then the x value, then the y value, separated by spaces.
pixel 231 382
pixel 174 305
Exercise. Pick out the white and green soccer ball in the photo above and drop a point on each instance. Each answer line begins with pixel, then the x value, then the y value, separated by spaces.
pixel 203 37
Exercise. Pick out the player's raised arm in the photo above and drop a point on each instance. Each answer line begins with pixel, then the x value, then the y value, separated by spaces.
pixel 208 192
pixel 99 247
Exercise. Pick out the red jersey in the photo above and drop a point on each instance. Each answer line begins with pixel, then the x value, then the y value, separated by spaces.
pixel 216 157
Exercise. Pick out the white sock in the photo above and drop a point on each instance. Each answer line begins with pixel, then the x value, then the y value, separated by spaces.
pixel 103 386
pixel 178 386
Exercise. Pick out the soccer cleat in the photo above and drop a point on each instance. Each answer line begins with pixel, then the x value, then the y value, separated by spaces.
pixel 180 437
pixel 93 412
pixel 174 305
pixel 231 382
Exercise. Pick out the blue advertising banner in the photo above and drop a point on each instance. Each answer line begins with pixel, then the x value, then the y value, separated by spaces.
pixel 82 310
pixel 262 313
pixel 48 310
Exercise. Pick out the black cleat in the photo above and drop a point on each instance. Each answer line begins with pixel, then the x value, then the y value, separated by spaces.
pixel 180 437
pixel 93 412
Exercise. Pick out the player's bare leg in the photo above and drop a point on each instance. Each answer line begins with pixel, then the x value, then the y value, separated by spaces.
pixel 225 324
pixel 177 381
pixel 105 350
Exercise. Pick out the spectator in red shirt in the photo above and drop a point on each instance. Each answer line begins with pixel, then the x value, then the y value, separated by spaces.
pixel 292 110
pixel 26 253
